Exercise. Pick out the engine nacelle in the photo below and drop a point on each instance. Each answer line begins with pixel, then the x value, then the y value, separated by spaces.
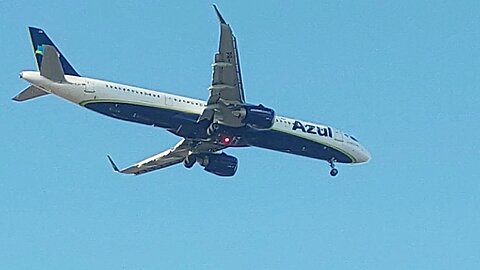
pixel 220 164
pixel 259 117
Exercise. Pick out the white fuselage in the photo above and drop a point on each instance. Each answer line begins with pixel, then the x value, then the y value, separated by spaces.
pixel 82 91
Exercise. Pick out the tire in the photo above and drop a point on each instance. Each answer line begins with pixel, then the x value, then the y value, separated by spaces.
pixel 212 129
pixel 189 162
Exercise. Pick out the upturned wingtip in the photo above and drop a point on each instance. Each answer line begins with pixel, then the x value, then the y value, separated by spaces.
pixel 220 18
pixel 114 166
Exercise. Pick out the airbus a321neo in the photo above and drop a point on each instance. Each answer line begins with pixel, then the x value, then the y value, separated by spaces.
pixel 206 128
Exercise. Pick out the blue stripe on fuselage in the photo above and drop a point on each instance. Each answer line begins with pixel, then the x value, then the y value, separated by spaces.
pixel 171 119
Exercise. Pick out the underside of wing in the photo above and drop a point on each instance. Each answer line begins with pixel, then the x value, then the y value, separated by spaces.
pixel 227 79
pixel 226 90
pixel 226 107
pixel 178 154
pixel 164 159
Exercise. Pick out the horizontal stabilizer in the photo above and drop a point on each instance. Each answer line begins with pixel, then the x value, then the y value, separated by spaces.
pixel 29 93
pixel 51 67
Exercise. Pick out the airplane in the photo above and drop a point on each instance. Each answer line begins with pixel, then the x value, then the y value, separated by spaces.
pixel 206 128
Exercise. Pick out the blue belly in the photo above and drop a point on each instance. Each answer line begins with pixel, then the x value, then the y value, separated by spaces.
pixel 171 119
pixel 147 115
pixel 287 143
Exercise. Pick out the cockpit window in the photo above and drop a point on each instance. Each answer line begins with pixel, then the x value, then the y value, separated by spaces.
pixel 351 137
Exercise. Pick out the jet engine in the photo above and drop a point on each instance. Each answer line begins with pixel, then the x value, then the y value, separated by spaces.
pixel 220 164
pixel 258 116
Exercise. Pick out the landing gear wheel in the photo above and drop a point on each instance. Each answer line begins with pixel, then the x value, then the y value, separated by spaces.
pixel 212 129
pixel 333 171
pixel 189 162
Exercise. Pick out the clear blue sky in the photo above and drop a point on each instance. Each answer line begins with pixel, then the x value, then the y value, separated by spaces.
pixel 402 76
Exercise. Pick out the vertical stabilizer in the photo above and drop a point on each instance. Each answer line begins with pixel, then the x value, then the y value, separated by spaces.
pixel 39 41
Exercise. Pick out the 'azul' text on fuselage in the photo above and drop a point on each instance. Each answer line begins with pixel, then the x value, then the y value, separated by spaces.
pixel 320 131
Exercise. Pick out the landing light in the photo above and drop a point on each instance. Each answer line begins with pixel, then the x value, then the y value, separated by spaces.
pixel 226 140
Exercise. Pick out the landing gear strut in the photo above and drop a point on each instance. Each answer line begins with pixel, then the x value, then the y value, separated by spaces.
pixel 212 128
pixel 333 171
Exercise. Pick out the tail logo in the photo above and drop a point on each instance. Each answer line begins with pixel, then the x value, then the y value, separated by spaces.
pixel 39 50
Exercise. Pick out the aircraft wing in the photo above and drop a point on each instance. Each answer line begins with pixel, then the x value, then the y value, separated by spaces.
pixel 226 90
pixel 227 78
pixel 170 157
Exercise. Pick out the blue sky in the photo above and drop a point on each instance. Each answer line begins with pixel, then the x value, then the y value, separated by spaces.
pixel 402 76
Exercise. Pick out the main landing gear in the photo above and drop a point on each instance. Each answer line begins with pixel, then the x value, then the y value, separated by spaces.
pixel 333 171
pixel 189 161
pixel 212 129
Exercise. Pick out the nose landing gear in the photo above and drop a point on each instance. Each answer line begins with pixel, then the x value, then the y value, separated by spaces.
pixel 333 171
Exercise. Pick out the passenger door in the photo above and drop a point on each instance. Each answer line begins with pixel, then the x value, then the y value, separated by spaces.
pixel 89 87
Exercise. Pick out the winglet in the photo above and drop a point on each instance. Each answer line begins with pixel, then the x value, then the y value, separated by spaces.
pixel 220 18
pixel 114 166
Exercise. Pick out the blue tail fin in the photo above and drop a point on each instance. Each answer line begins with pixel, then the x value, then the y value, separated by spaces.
pixel 39 39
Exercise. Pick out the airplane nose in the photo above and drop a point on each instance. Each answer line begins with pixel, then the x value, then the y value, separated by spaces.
pixel 361 155
pixel 364 156
pixel 20 75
